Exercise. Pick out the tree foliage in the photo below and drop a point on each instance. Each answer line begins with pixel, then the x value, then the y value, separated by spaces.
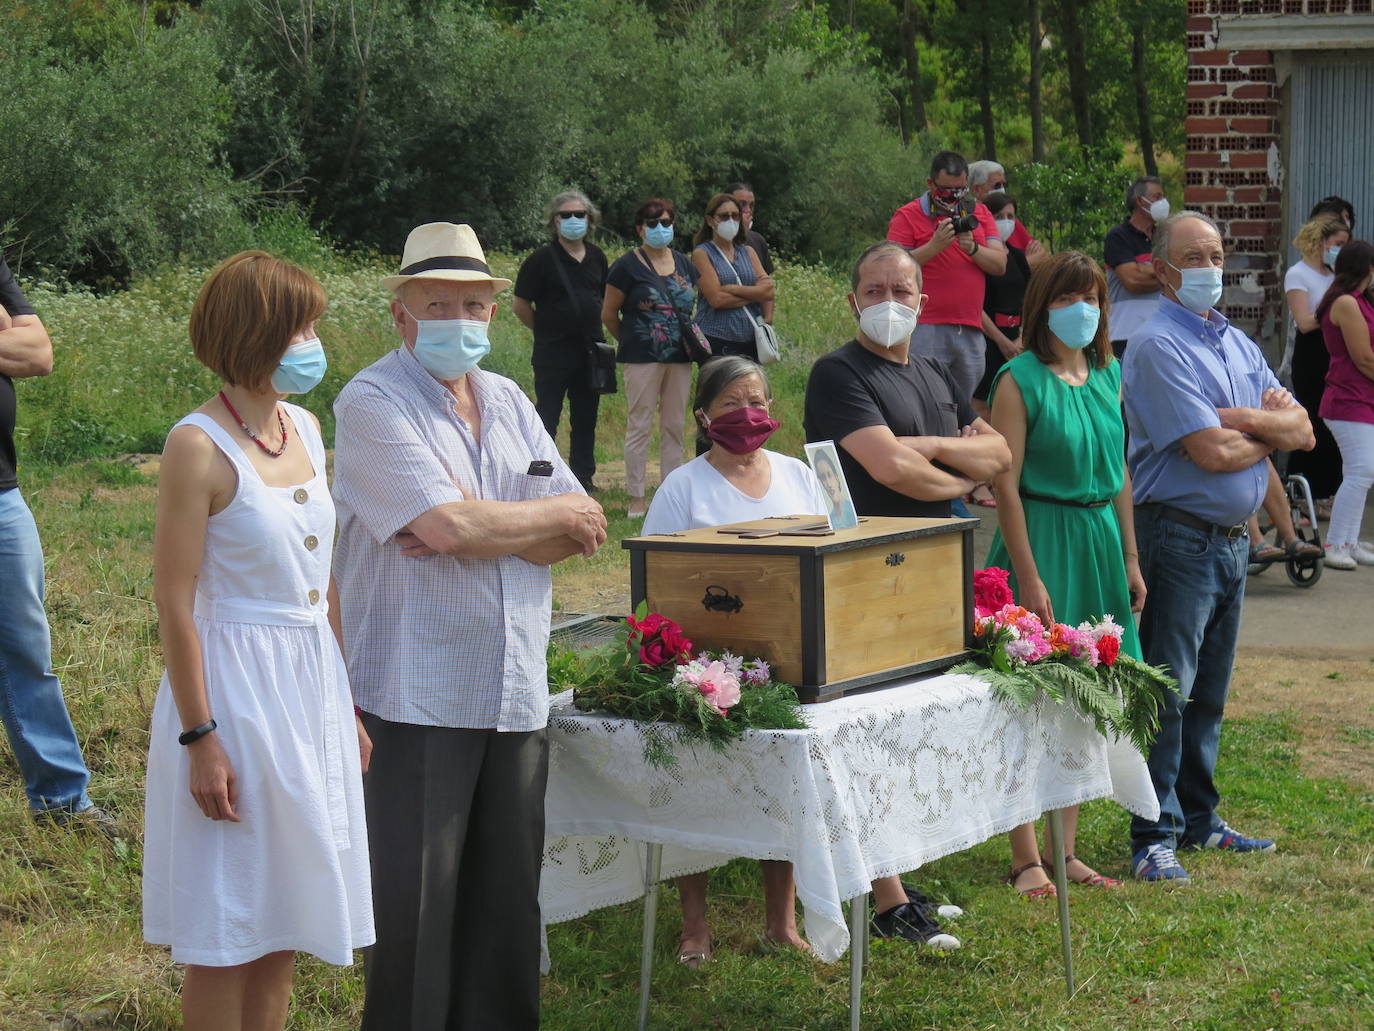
pixel 143 132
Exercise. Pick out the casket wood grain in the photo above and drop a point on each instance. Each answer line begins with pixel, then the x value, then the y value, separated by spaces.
pixel 832 614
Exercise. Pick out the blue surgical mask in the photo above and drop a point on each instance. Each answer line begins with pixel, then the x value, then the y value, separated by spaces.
pixel 301 368
pixel 658 236
pixel 572 228
pixel 1332 253
pixel 450 348
pixel 1200 289
pixel 1075 325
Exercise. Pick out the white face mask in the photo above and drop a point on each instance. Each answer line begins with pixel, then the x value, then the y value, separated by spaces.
pixel 888 323
pixel 728 230
pixel 1159 210
pixel 1005 227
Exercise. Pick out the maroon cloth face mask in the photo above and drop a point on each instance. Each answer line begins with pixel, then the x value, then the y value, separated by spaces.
pixel 742 431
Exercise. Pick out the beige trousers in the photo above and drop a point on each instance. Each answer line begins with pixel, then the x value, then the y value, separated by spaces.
pixel 649 384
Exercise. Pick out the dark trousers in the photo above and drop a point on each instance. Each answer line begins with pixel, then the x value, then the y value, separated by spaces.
pixel 455 820
pixel 550 385
pixel 1321 465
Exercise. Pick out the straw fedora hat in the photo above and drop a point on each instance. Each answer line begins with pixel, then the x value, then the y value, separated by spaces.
pixel 443 250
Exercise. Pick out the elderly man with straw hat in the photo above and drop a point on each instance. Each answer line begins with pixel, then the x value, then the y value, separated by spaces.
pixel 453 502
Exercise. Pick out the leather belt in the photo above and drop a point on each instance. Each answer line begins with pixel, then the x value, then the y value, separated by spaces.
pixel 1067 502
pixel 1178 515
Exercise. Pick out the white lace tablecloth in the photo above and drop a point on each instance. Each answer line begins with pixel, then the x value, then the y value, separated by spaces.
pixel 878 784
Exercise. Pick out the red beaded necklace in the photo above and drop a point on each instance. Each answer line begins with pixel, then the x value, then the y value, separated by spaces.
pixel 281 424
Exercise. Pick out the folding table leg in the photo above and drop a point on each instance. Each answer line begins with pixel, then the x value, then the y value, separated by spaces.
pixel 653 864
pixel 1061 884
pixel 858 950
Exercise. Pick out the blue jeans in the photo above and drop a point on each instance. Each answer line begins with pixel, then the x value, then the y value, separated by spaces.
pixel 31 705
pixel 1196 585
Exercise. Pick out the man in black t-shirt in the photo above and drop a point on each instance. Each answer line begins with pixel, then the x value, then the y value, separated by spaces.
pixel 31 704
pixel 1127 255
pixel 908 443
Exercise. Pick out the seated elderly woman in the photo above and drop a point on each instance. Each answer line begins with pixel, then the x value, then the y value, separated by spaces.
pixel 735 480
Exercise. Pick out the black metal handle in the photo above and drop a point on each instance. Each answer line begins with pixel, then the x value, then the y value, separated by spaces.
pixel 718 599
pixel 896 558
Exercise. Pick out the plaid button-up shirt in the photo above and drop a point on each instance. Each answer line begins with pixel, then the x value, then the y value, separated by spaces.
pixel 439 641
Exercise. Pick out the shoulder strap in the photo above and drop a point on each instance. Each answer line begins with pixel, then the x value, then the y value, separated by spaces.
pixel 567 283
pixel 219 436
pixel 728 264
pixel 308 434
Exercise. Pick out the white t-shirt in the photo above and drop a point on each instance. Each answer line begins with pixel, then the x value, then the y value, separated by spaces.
pixel 1303 276
pixel 696 495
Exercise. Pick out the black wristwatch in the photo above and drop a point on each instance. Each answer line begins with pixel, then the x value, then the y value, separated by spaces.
pixel 975 249
pixel 193 735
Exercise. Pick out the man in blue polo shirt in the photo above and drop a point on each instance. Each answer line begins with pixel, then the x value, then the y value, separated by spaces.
pixel 1204 412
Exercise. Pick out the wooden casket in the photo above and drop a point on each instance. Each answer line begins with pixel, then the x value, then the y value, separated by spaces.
pixel 831 611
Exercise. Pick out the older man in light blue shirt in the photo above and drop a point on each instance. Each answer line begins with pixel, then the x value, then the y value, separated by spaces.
pixel 453 502
pixel 1204 412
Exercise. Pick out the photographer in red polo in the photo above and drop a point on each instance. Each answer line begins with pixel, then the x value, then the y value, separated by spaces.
pixel 954 239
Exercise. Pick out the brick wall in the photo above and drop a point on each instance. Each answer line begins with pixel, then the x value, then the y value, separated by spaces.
pixel 1232 122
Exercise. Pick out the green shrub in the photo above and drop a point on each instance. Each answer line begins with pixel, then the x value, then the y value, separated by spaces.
pixel 110 164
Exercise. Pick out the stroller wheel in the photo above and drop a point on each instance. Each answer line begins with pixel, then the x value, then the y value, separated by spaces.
pixel 1304 572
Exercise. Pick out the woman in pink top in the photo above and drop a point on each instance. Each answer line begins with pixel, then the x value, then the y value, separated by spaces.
pixel 1347 321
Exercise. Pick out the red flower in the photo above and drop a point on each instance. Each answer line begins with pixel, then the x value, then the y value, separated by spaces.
pixel 990 590
pixel 1108 648
pixel 660 640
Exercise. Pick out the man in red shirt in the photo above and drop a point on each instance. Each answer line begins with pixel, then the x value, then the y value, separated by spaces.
pixel 954 240
pixel 985 177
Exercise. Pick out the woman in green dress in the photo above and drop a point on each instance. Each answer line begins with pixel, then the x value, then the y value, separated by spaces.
pixel 1066 529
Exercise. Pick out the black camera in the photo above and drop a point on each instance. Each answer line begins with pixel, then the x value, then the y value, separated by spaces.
pixel 963 219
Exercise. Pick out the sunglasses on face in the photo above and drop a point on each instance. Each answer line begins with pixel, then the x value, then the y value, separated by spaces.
pixel 572 214
pixel 999 186
pixel 747 205
pixel 727 216
pixel 666 222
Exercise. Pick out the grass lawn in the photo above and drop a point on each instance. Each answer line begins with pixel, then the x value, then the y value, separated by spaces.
pixel 1257 942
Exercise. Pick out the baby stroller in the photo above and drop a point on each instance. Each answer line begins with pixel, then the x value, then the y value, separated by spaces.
pixel 1303 572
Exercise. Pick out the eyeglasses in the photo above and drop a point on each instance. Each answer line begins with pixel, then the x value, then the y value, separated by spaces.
pixel 572 214
pixel 666 222
pixel 998 186
pixel 727 216
pixel 746 205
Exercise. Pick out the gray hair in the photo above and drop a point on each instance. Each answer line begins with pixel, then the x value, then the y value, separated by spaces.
pixel 1137 190
pixel 980 172
pixel 717 374
pixel 551 210
pixel 1164 231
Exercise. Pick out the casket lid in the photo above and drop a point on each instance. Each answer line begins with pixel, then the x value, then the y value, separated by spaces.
pixel 798 535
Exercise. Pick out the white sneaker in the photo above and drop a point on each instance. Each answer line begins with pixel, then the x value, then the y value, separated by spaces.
pixel 1363 553
pixel 1340 556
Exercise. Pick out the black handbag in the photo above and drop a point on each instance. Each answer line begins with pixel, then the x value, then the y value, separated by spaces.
pixel 598 360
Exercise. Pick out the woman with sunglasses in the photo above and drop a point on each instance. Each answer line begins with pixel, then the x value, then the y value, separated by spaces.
pixel 558 294
pixel 647 310
pixel 734 290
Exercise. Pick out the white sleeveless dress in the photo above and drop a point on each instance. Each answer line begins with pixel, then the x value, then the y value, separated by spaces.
pixel 293 874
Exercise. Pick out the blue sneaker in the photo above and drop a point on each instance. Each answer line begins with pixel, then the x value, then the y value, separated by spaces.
pixel 1225 838
pixel 1158 863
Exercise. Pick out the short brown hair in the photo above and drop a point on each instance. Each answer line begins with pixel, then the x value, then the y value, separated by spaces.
pixel 1068 272
pixel 246 314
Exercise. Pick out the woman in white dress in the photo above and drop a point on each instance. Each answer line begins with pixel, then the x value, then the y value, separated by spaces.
pixel 255 842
